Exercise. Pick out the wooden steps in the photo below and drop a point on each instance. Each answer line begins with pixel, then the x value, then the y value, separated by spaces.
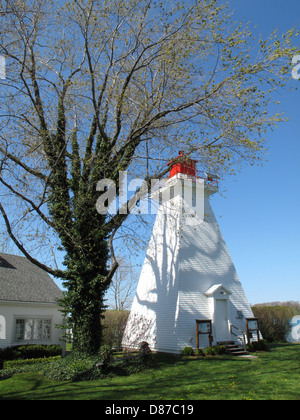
pixel 232 348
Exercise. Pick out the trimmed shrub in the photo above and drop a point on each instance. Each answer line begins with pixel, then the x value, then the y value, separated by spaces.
pixel 219 350
pixel 200 352
pixel 209 351
pixel 34 351
pixel 264 345
pixel 8 364
pixel 37 351
pixel 188 351
pixel 261 345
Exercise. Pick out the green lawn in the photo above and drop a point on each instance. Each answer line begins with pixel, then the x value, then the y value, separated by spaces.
pixel 273 375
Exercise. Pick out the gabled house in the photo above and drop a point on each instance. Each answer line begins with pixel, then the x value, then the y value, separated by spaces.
pixel 28 304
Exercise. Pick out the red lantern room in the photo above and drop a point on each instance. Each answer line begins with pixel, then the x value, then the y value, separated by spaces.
pixel 183 165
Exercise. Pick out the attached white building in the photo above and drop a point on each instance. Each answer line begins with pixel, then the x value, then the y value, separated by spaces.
pixel 28 304
pixel 189 293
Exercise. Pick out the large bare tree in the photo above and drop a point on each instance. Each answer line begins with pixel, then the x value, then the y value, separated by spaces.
pixel 96 87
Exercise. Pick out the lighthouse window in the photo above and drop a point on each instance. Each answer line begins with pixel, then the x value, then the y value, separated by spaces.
pixel 172 192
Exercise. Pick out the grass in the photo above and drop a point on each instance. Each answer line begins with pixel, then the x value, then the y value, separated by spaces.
pixel 272 376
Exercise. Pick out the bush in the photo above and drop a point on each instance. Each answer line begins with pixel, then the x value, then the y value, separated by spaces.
pixel 188 351
pixel 16 363
pixel 250 348
pixel 73 368
pixel 145 352
pixel 132 364
pixel 261 345
pixel 264 345
pixel 29 352
pixel 76 368
pixel 215 350
pixel 12 367
pixel 219 350
pixel 114 324
pixel 200 352
pixel 209 351
pixel 274 321
pixel 105 355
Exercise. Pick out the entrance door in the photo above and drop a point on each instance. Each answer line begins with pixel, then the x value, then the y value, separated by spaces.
pixel 221 320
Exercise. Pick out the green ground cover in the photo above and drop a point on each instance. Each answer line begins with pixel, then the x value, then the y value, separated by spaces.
pixel 273 375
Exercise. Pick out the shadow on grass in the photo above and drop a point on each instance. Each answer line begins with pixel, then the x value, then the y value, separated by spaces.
pixel 170 380
pixel 271 375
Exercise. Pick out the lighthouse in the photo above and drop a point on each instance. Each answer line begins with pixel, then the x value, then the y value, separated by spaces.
pixel 189 293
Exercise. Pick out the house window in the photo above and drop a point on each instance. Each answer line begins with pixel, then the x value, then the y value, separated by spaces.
pixel 30 329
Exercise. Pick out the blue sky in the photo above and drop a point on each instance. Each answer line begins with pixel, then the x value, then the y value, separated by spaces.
pixel 259 216
pixel 258 211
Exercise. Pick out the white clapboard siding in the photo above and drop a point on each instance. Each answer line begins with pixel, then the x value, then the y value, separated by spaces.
pixel 187 256
pixel 10 311
pixel 27 292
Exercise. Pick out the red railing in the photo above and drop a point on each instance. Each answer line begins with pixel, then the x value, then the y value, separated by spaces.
pixel 209 179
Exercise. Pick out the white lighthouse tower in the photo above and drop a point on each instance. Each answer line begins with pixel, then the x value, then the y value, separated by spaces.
pixel 189 293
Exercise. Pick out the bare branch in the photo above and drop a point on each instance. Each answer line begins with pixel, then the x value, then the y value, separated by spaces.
pixel 56 273
pixel 27 200
pixel 23 165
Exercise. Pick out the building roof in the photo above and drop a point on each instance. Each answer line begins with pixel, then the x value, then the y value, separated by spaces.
pixel 22 281
pixel 213 289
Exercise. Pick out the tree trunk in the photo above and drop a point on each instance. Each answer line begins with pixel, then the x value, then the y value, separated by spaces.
pixel 87 330
pixel 84 304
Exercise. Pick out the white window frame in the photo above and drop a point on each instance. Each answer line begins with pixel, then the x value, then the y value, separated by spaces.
pixel 31 326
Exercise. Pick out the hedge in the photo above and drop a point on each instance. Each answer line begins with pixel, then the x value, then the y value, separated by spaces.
pixel 34 351
pixel 8 364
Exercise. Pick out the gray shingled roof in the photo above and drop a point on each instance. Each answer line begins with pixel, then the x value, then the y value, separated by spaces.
pixel 22 281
